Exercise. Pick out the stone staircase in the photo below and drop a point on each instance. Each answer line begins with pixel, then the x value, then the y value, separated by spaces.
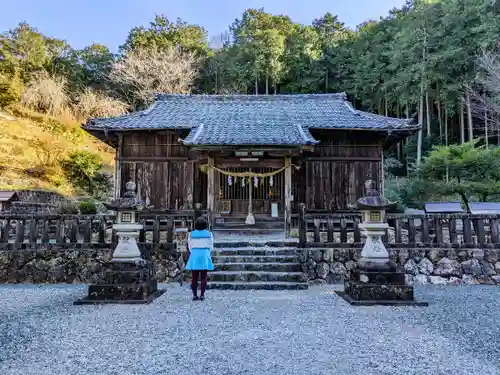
pixel 256 266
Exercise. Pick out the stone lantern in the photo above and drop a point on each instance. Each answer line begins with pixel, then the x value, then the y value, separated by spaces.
pixel 376 280
pixel 129 277
pixel 373 207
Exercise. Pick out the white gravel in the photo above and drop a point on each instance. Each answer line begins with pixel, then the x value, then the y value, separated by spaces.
pixel 248 332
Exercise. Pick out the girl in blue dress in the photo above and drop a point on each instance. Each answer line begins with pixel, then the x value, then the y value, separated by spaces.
pixel 200 244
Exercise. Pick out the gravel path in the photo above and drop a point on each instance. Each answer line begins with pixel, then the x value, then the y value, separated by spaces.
pixel 248 332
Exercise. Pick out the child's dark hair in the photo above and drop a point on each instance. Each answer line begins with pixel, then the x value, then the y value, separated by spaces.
pixel 201 223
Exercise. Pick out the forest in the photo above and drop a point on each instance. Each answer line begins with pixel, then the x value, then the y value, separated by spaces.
pixel 436 61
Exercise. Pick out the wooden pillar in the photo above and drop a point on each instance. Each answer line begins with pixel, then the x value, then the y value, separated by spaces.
pixel 118 167
pixel 288 195
pixel 211 186
pixel 382 174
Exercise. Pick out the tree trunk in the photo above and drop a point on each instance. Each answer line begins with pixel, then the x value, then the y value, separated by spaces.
pixel 256 85
pixel 440 120
pixel 421 109
pixel 446 127
pixel 446 138
pixel 486 135
pixel 386 107
pixel 469 117
pixel 326 81
pixel 216 79
pixel 428 114
pixel 420 120
pixel 407 110
pixel 462 125
pixel 267 84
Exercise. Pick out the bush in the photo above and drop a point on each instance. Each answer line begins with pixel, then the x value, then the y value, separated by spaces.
pixel 87 208
pixel 68 208
pixel 92 104
pixel 10 89
pixel 84 170
pixel 46 94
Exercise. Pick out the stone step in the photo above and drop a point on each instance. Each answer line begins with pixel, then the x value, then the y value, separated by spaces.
pixel 267 267
pixel 257 285
pixel 250 276
pixel 246 251
pixel 255 259
pixel 255 244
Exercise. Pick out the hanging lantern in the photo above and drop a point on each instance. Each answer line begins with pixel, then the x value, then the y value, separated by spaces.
pixel 256 181
pixel 271 181
pixel 230 180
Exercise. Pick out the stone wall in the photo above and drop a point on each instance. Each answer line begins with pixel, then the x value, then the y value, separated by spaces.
pixel 40 196
pixel 72 266
pixel 436 266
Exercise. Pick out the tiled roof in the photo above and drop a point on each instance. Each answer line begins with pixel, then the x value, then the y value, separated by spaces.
pixel 7 196
pixel 250 119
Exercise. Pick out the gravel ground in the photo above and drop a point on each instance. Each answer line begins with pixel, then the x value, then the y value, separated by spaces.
pixel 248 332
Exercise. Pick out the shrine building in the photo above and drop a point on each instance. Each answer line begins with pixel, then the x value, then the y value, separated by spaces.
pixel 253 158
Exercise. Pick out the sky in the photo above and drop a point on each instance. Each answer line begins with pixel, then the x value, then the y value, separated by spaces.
pixel 82 22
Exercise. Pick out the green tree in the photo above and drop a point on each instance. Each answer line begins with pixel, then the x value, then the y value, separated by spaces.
pixel 164 34
pixel 467 170
pixel 84 170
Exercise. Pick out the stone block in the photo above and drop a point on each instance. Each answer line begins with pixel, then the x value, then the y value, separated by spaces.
pixel 487 268
pixel 122 292
pixel 425 267
pixel 438 280
pixel 448 267
pixel 411 267
pixel 359 291
pixel 472 267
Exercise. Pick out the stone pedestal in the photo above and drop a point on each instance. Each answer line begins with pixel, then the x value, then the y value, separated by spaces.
pixel 125 283
pixel 377 281
pixel 378 287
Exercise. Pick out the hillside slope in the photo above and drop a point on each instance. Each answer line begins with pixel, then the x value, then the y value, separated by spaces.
pixel 32 146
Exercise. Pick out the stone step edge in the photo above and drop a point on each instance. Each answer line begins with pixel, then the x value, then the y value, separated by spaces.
pixel 235 244
pixel 257 285
pixel 277 257
pixel 256 264
pixel 275 273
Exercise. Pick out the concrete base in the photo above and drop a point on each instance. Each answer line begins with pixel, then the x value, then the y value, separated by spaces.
pixel 146 300
pixel 124 283
pixel 354 302
pixel 385 286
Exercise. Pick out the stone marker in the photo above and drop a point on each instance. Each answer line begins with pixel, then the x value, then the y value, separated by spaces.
pixel 129 278
pixel 376 280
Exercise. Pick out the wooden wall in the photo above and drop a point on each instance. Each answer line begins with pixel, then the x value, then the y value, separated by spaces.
pixel 331 177
pixel 335 172
pixel 160 166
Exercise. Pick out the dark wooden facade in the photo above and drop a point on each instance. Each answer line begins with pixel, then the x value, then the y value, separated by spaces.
pixel 330 175
pixel 262 155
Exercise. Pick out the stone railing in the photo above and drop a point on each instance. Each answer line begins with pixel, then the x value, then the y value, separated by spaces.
pixel 439 231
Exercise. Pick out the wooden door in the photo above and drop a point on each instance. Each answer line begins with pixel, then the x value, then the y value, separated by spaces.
pixel 234 192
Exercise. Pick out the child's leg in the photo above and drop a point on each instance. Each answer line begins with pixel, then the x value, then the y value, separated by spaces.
pixel 203 286
pixel 194 282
